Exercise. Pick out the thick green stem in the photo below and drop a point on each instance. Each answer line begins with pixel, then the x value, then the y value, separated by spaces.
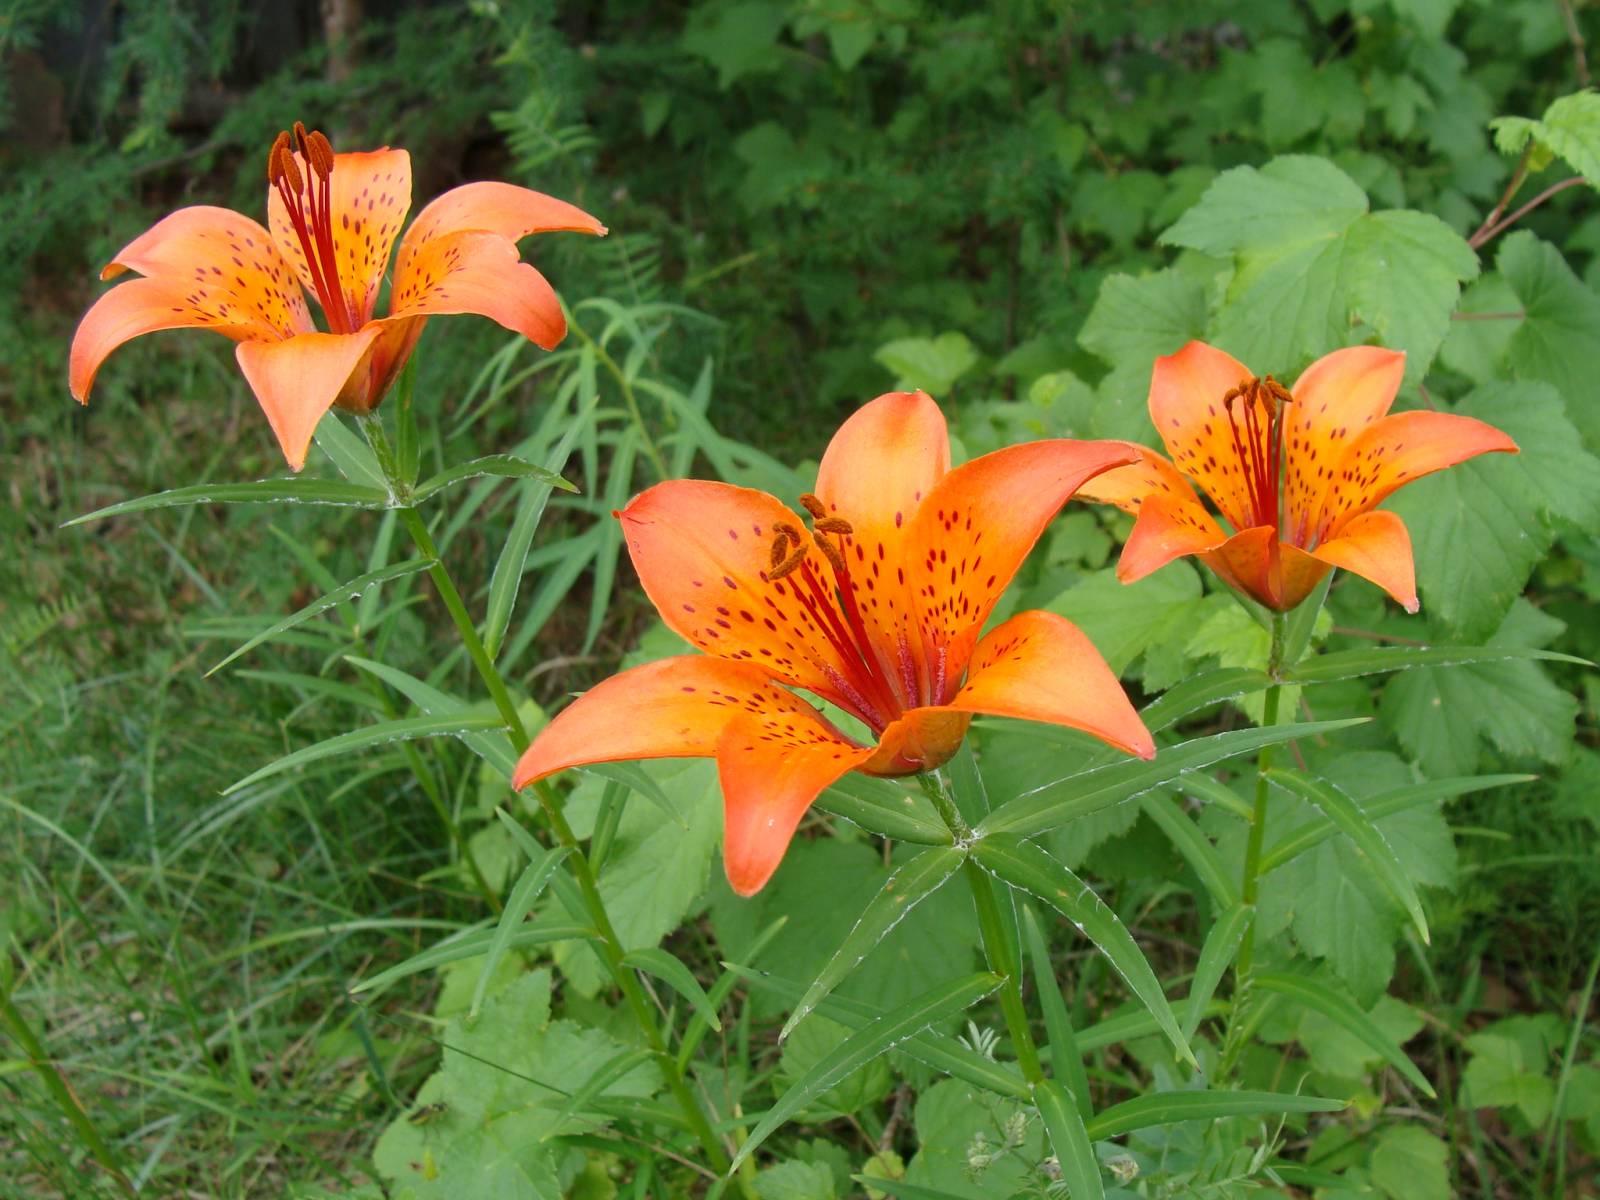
pixel 1249 884
pixel 629 397
pixel 611 949
pixel 22 1033
pixel 997 945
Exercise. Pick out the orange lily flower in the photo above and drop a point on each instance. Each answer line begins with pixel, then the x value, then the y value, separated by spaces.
pixel 333 220
pixel 1298 473
pixel 876 608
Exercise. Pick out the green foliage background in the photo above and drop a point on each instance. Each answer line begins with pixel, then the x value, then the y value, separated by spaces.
pixel 1015 206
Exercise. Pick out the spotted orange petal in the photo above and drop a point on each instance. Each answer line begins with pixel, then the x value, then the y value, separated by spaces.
pixel 370 193
pixel 381 366
pixel 1172 521
pixel 512 212
pixel 297 380
pixel 1336 398
pixel 919 739
pixel 772 765
pixel 702 550
pixel 1393 452
pixel 973 530
pixel 1041 667
pixel 1186 391
pixel 477 272
pixel 1256 563
pixel 670 708
pixel 1377 547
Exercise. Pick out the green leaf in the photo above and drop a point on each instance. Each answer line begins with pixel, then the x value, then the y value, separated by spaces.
pixel 262 491
pixel 1500 1075
pixel 1311 262
pixel 1125 621
pixel 882 807
pixel 1080 1170
pixel 1056 803
pixel 381 734
pixel 1352 664
pixel 1221 944
pixel 349 453
pixel 1570 128
pixel 472 944
pixel 1354 822
pixel 868 1043
pixel 911 884
pixel 738 39
pixel 493 748
pixel 520 903
pixel 344 592
pixel 1201 691
pixel 505 466
pixel 796 1181
pixel 1196 849
pixel 1135 320
pixel 1319 997
pixel 1028 866
pixel 1169 1108
pixel 931 364
pixel 1066 1059
pixel 1409 1163
pixel 670 970
pixel 1558 340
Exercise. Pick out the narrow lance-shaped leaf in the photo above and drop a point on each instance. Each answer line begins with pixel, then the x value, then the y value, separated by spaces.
pixel 1355 824
pixel 1080 1170
pixel 1352 664
pixel 1201 691
pixel 665 966
pixel 405 729
pixel 1056 803
pixel 883 808
pixel 1171 1108
pixel 867 1043
pixel 519 904
pixel 1221 944
pixel 1029 866
pixel 494 750
pixel 262 491
pixel 473 943
pixel 1066 1059
pixel 349 453
pixel 346 591
pixel 504 466
pixel 1197 850
pixel 908 887
pixel 1345 1014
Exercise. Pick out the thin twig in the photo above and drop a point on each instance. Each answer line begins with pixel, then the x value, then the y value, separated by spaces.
pixel 1484 235
pixel 1580 57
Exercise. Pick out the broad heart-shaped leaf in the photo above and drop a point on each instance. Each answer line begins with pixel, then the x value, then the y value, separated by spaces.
pixel 1442 717
pixel 1311 261
pixel 368 736
pixel 502 1083
pixel 262 491
pixel 346 591
pixel 1570 128
pixel 1134 321
pixel 868 1043
pixel 505 466
pixel 931 364
pixel 1080 1170
pixel 911 884
pixel 1127 621
pixel 1337 1008
pixel 1169 1108
pixel 1028 866
pixel 1054 804
pixel 1353 821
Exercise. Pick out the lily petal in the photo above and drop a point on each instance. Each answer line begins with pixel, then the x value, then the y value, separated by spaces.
pixel 1041 667
pixel 297 380
pixel 370 194
pixel 1336 398
pixel 772 766
pixel 381 365
pixel 919 739
pixel 702 550
pixel 504 208
pixel 1393 452
pixel 1255 562
pixel 670 708
pixel 975 527
pixel 478 272
pixel 1167 528
pixel 1377 547
pixel 1186 391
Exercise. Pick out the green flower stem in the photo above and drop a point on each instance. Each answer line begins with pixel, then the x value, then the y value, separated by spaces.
pixel 996 945
pixel 611 950
pixel 628 397
pixel 1249 885
pixel 22 1033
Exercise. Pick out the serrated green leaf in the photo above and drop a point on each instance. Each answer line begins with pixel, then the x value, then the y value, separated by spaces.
pixel 262 491
pixel 1409 1163
pixel 1136 319
pixel 931 364
pixel 1558 340
pixel 1169 1108
pixel 1028 866
pixel 1341 1011
pixel 911 884
pixel 1080 1170
pixel 1570 128
pixel 868 1043
pixel 1354 822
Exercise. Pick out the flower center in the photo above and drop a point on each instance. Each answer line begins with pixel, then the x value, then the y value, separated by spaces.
pixel 878 685
pixel 1257 429
pixel 309 205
